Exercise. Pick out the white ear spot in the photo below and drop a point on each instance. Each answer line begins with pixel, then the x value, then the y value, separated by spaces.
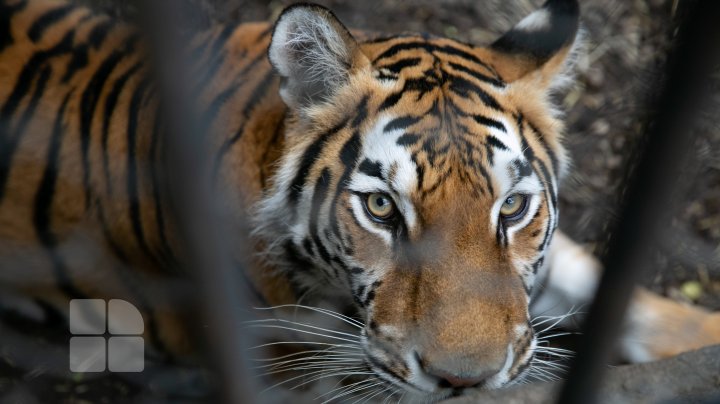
pixel 313 51
pixel 536 21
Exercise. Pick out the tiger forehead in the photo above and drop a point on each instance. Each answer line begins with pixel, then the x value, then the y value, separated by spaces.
pixel 435 58
pixel 444 104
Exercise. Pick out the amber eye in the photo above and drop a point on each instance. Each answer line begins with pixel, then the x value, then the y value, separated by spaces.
pixel 380 206
pixel 514 207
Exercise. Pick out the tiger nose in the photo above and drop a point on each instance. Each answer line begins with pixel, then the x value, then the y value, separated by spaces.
pixel 448 379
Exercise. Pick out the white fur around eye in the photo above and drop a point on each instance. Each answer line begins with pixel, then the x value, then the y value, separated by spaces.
pixel 382 148
pixel 359 211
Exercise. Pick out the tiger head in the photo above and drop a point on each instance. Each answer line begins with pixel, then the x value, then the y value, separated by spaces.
pixel 419 184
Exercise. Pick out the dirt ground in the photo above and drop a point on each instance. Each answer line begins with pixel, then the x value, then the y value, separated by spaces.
pixel 606 112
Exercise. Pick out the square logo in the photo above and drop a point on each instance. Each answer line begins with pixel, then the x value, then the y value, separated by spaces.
pixel 91 351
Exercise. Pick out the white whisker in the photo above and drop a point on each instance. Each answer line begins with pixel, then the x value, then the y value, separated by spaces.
pixel 316 351
pixel 310 367
pixel 342 388
pixel 302 331
pixel 280 320
pixel 339 316
pixel 313 359
pixel 367 384
pixel 306 343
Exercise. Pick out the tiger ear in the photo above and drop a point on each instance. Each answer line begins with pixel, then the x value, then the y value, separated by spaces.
pixel 314 53
pixel 541 46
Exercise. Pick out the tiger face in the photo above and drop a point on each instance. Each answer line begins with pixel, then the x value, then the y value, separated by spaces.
pixel 419 184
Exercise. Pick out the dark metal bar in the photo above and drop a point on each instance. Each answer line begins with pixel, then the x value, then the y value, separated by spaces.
pixel 644 213
pixel 206 237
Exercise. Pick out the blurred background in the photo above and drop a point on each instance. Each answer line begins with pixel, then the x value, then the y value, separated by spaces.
pixel 606 111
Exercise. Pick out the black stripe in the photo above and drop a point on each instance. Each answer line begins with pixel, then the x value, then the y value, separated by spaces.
pixel 88 104
pixel 548 228
pixel 553 157
pixel 371 293
pixel 80 51
pixel 391 100
pixel 422 85
pixel 401 64
pixel 483 120
pixel 462 87
pixel 8 140
pixel 99 33
pixel 500 234
pixel 546 178
pixel 429 47
pixel 408 139
pixel 420 172
pixel 488 180
pixel 46 20
pixel 495 142
pixel 477 75
pixel 43 205
pixel 155 159
pixel 30 69
pixel 208 116
pixel 27 115
pixel 380 39
pixel 215 60
pixel 527 150
pixel 133 193
pixel 110 104
pixel 319 194
pixel 371 169
pixel 348 156
pixel 308 159
pixel 523 168
pixel 251 103
pixel 78 61
pixel 402 122
pixel 7 13
pixel 537 264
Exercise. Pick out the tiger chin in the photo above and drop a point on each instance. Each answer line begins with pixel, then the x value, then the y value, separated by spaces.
pixel 404 187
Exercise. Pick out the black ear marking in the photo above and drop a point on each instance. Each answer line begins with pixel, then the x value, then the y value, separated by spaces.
pixel 543 33
pixel 544 40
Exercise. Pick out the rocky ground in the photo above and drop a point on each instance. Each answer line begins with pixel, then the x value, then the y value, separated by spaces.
pixel 607 110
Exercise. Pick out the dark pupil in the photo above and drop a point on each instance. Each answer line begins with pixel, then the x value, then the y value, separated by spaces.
pixel 380 201
pixel 510 201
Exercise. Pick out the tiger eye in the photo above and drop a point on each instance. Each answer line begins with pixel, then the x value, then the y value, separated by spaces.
pixel 380 205
pixel 513 206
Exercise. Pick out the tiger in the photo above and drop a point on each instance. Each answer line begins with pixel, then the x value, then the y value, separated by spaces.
pixel 404 185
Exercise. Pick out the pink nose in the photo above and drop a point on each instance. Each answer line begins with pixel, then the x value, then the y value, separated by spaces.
pixel 453 380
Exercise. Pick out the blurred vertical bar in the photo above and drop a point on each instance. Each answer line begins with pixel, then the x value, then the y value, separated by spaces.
pixel 221 296
pixel 656 181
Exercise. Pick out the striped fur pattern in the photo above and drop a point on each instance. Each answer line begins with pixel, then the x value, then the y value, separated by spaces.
pixel 82 209
pixel 447 133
